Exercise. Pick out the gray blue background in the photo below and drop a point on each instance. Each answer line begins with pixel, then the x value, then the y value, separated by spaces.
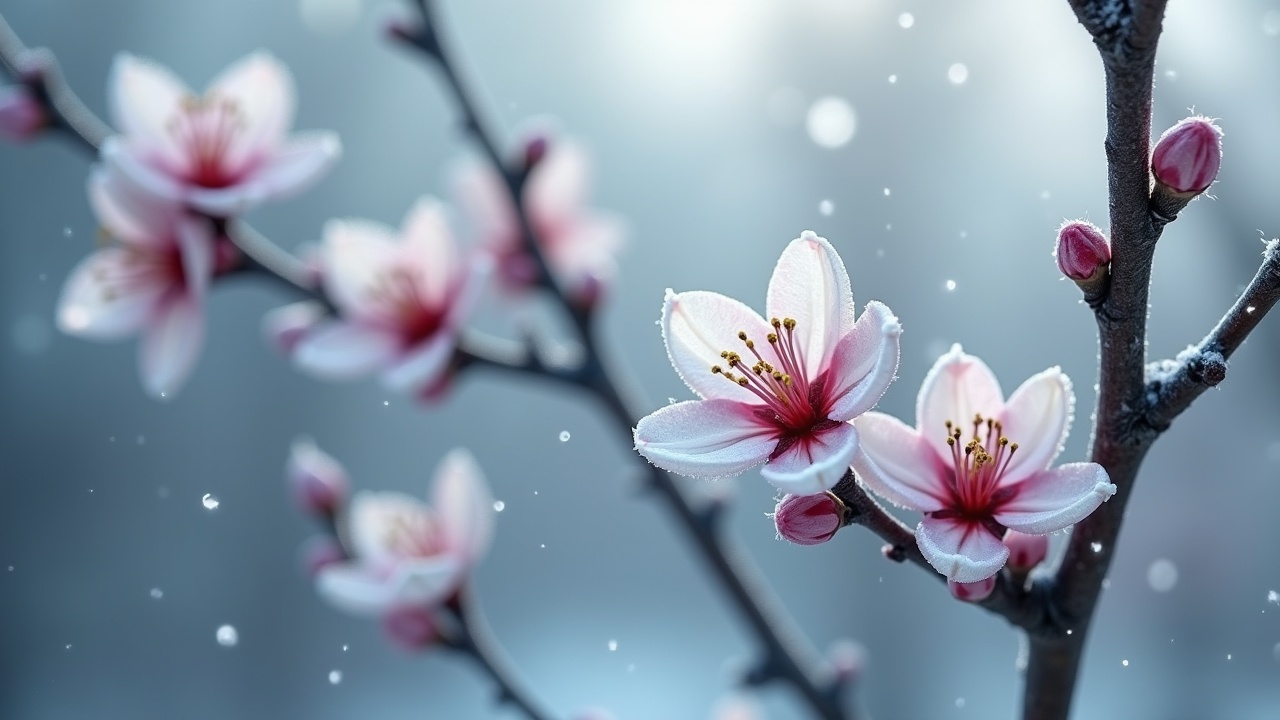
pixel 684 104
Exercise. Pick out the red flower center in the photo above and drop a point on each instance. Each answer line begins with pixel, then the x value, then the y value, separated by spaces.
pixel 399 292
pixel 977 469
pixel 205 128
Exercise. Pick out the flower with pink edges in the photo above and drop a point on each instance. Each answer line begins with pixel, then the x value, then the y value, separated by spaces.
pixel 401 301
pixel 219 153
pixel 319 483
pixel 407 554
pixel 780 391
pixel 579 244
pixel 150 280
pixel 976 464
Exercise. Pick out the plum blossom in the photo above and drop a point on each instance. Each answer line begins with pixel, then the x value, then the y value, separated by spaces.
pixel 976 464
pixel 407 555
pixel 401 301
pixel 150 279
pixel 778 391
pixel 221 152
pixel 579 244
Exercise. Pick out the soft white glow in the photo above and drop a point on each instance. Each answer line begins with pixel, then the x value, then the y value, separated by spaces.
pixel 957 74
pixel 831 122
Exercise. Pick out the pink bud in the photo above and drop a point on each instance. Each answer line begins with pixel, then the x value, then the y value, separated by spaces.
pixel 809 519
pixel 1025 551
pixel 1082 250
pixel 535 148
pixel 974 591
pixel 1187 156
pixel 319 483
pixel 590 290
pixel 848 660
pixel 285 326
pixel 320 551
pixel 411 628
pixel 21 117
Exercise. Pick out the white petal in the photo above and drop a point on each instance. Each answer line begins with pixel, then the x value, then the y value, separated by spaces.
pixel 558 186
pixel 1038 418
pixel 464 505
pixel 98 305
pixel 427 247
pixel 284 327
pixel 422 365
pixel 342 350
pixel 1053 499
pixel 134 168
pixel 956 388
pixel 128 214
pixel 963 551
pixel 895 463
pixel 143 98
pixel 384 526
pixel 811 285
pixel 697 326
pixel 262 92
pixel 171 344
pixel 484 199
pixel 705 438
pixel 814 465
pixel 354 588
pixel 355 258
pixel 195 244
pixel 425 581
pixel 290 169
pixel 864 363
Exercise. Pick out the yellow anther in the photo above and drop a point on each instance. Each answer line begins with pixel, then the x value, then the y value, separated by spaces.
pixel 1013 447
pixel 789 323
pixel 742 382
pixel 773 338
pixel 724 354
pixel 716 369
pixel 951 441
pixel 742 335
pixel 751 344
pixel 786 379
pixel 776 323
pixel 1003 441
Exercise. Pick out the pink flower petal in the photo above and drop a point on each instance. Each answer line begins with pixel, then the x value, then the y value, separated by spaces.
pixel 284 327
pixel 1053 499
pixel 815 464
pixel 292 168
pixel 864 363
pixel 462 500
pixel 96 304
pixel 483 198
pixel 195 243
pixel 171 344
pixel 134 167
pixel 143 98
pixel 897 464
pixel 811 285
pixel 355 256
pixel 425 581
pixel 965 552
pixel 421 366
pixel 557 188
pixel 428 248
pixel 354 588
pixel 262 92
pixel 697 326
pixel 384 527
pixel 956 388
pixel 126 213
pixel 1038 418
pixel 468 290
pixel 343 350
pixel 704 438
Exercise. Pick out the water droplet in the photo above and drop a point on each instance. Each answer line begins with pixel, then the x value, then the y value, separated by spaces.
pixel 346 648
pixel 156 593
pixel 1162 575
pixel 499 506
pixel 1228 656
pixel 959 702
pixel 335 677
pixel 613 646
pixel 67 232
pixel 1273 597
pixel 951 285
pixel 887 192
pixel 906 20
pixel 543 546
pixel 1096 546
pixel 893 79
pixel 1271 22
pixel 1124 663
pixel 1172 74
pixel 564 436
pixel 386 403
pixel 227 636
pixel 957 74
pixel 831 122
pixel 1249 309
pixel 1070 631
pixel 68 646
pixel 329 17
pixel 826 207
pixel 210 501
pixel 90 491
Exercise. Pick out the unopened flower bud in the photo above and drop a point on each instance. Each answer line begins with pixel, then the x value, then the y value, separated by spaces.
pixel 411 628
pixel 1025 551
pixel 535 148
pixel 319 483
pixel 319 552
pixel 285 326
pixel 809 519
pixel 1187 156
pixel 21 117
pixel 1082 252
pixel 848 660
pixel 974 591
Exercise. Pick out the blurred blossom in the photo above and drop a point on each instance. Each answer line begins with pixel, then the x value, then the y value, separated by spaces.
pixel 807 371
pixel 319 483
pixel 971 489
pixel 150 280
pixel 21 117
pixel 407 554
pixel 319 552
pixel 284 327
pixel 1187 156
pixel 411 628
pixel 401 299
pixel 220 153
pixel 848 659
pixel 580 244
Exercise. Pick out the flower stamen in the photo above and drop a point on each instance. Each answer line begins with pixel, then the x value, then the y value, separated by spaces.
pixel 978 468
pixel 782 384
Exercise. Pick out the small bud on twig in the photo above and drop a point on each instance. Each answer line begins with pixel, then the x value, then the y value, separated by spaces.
pixel 1187 156
pixel 1084 255
pixel 974 591
pixel 809 519
pixel 21 117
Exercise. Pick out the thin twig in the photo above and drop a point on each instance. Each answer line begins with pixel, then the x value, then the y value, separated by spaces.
pixel 475 639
